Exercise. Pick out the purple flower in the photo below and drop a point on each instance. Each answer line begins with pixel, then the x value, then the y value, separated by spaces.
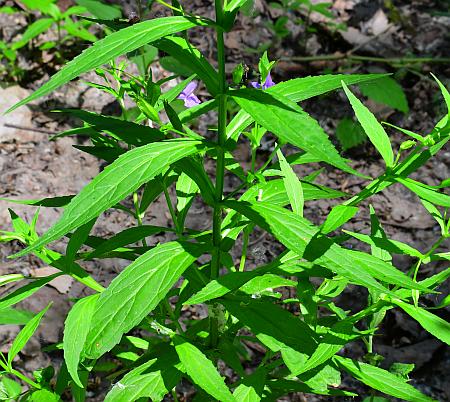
pixel 188 96
pixel 267 84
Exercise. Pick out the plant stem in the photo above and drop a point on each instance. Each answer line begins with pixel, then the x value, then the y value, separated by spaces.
pixel 172 316
pixel 171 210
pixel 221 132
pixel 138 214
pixel 220 163
pixel 244 250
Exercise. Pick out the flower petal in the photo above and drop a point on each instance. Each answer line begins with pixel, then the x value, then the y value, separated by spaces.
pixel 268 83
pixel 191 101
pixel 190 88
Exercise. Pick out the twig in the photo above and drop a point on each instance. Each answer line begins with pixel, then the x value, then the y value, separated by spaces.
pixel 354 57
pixel 38 130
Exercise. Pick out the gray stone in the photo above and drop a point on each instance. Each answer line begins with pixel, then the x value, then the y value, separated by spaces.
pixel 13 125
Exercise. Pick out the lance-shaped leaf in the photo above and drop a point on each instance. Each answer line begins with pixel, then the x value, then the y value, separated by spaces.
pixel 53 202
pixel 331 343
pixel 135 292
pixel 33 30
pixel 273 192
pixel 297 90
pixel 186 189
pixel 11 316
pixel 276 328
pixel 125 175
pixel 153 379
pixel 118 43
pixel 189 55
pixel 201 370
pixel 339 215
pixel 273 325
pixel 372 128
pixel 25 334
pixel 293 185
pixel 126 236
pixel 76 328
pixel 381 380
pixel 302 237
pixel 129 132
pixel 432 323
pixel 290 123
pixel 425 192
pixel 234 4
pixel 25 291
pixel 234 280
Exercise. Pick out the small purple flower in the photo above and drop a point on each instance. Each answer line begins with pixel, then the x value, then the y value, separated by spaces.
pixel 188 96
pixel 267 84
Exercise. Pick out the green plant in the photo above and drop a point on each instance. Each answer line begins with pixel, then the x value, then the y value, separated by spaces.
pixel 384 91
pixel 138 317
pixel 52 18
pixel 304 8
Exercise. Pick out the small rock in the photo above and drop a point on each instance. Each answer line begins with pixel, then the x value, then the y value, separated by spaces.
pixel 12 125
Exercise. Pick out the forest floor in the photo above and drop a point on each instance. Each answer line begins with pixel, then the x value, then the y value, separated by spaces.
pixel 33 167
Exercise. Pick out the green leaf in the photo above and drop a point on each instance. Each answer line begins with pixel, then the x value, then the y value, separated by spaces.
pixel 244 393
pixel 135 292
pixel 112 46
pixel 187 54
pixel 9 278
pixel 201 370
pixel 44 6
pixel 339 215
pixel 267 282
pixel 44 395
pixel 372 128
pixel 234 5
pixel 186 190
pixel 130 133
pixel 426 192
pixel 53 202
pixel 297 90
pixel 432 323
pixel 388 245
pixel 292 185
pixel 25 291
pixel 381 380
pixel 445 93
pixel 300 236
pixel 386 91
pixel 333 341
pixel 100 10
pixel 290 123
pixel 153 188
pixel 282 387
pixel 33 30
pixel 77 240
pixel 235 280
pixel 276 328
pixel 122 177
pixel 9 389
pixel 10 316
pixel 350 134
pixel 76 328
pixel 252 386
pixel 143 57
pixel 25 334
pixel 153 380
pixel 126 236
